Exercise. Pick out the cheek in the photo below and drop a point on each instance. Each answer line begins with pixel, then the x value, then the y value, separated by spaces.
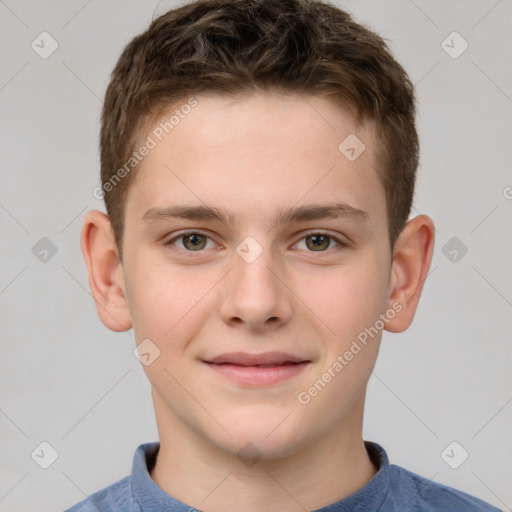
pixel 347 300
pixel 161 294
pixel 350 302
pixel 170 307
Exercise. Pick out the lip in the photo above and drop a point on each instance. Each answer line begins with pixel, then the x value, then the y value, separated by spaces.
pixel 262 369
pixel 248 359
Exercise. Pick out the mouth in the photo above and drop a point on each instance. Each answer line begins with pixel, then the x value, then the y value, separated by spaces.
pixel 258 370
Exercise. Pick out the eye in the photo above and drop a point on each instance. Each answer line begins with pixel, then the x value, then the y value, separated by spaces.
pixel 320 242
pixel 192 241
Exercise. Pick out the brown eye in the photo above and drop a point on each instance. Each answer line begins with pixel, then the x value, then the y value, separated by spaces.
pixel 318 242
pixel 194 241
pixel 191 241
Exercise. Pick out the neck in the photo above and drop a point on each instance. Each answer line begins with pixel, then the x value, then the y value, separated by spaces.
pixel 206 477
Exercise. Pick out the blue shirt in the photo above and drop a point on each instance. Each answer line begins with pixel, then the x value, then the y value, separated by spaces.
pixel 392 488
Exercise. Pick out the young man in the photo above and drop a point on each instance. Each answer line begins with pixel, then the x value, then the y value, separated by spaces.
pixel 258 162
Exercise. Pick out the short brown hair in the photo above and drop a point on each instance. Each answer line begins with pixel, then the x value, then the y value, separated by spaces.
pixel 228 47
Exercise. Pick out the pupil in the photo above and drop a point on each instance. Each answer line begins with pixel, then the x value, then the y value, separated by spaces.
pixel 319 241
pixel 194 241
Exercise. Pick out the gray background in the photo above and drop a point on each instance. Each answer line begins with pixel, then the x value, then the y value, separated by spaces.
pixel 69 381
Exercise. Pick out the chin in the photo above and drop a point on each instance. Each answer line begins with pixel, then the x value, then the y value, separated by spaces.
pixel 263 436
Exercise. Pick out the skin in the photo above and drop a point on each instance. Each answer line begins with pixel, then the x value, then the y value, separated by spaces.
pixel 255 155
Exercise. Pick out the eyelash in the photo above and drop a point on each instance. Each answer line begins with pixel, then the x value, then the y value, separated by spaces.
pixel 180 251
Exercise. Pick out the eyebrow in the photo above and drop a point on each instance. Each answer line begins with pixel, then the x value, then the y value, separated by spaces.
pixel 283 216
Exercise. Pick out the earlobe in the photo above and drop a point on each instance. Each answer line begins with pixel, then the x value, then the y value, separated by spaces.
pixel 105 273
pixel 411 262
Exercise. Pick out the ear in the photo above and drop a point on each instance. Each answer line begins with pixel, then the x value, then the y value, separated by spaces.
pixel 412 255
pixel 106 278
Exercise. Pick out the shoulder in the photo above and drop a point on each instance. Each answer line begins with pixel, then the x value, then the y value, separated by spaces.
pixel 115 497
pixel 416 493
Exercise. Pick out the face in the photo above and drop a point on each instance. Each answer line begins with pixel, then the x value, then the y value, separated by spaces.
pixel 245 281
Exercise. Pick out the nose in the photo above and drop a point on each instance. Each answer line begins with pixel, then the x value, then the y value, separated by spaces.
pixel 255 295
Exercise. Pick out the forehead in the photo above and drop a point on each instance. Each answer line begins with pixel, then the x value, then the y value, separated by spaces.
pixel 258 153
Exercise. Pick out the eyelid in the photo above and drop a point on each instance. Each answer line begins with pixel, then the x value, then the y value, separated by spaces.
pixel 170 242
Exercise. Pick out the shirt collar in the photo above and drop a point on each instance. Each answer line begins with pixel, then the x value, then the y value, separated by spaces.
pixel 153 499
